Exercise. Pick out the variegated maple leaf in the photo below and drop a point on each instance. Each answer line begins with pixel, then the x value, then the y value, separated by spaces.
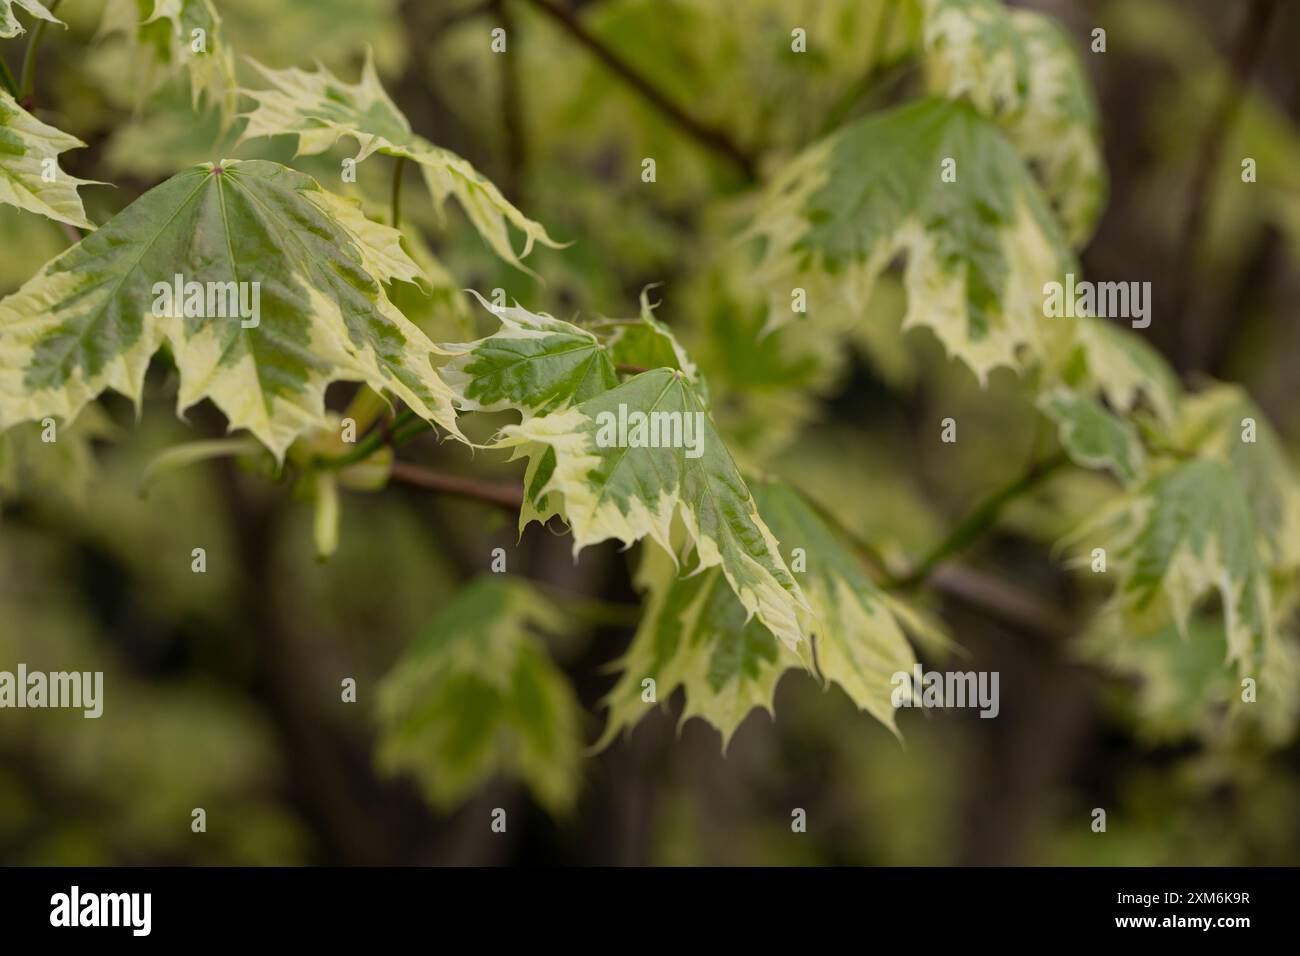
pixel 980 241
pixel 1183 535
pixel 90 321
pixel 588 465
pixel 9 25
pixel 645 342
pixel 1130 373
pixel 165 37
pixel 29 152
pixel 696 635
pixel 1093 435
pixel 534 363
pixel 478 695
pixel 1021 69
pixel 319 109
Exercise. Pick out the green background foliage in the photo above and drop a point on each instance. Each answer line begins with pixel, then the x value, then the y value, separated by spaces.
pixel 523 690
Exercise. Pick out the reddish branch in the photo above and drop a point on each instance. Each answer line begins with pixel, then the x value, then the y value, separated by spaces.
pixel 503 494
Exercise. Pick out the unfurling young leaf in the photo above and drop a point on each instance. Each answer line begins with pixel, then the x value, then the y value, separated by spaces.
pixel 477 695
pixel 979 248
pixel 648 343
pixel 249 237
pixel 9 25
pixel 319 109
pixel 29 175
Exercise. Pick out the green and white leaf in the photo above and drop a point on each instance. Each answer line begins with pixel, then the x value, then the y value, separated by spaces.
pixel 159 38
pixel 1059 131
pixel 9 25
pixel 1093 435
pixel 979 250
pixel 477 696
pixel 319 109
pixel 695 633
pixel 534 363
pixel 86 322
pixel 1182 687
pixel 857 627
pixel 1182 536
pixel 1216 423
pixel 1021 69
pixel 627 494
pixel 974 51
pixel 1127 370
pixel 25 144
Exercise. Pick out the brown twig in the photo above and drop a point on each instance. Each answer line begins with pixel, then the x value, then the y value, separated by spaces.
pixel 715 139
pixel 976 588
pixel 503 494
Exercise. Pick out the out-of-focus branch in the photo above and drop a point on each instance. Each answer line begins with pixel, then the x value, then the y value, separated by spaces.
pixel 980 520
pixel 715 139
pixel 512 113
pixel 503 494
pixel 1246 55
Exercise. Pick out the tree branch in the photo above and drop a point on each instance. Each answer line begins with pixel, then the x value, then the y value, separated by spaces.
pixel 1246 55
pixel 980 520
pixel 503 494
pixel 512 113
pixel 976 588
pixel 715 139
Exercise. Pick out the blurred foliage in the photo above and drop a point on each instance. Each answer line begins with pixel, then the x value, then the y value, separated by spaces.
pixel 223 688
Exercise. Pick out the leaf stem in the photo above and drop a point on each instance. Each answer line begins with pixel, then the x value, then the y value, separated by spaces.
pixel 630 369
pixel 980 520
pixel 7 78
pixel 712 137
pixel 29 58
pixel 374 440
pixel 398 169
